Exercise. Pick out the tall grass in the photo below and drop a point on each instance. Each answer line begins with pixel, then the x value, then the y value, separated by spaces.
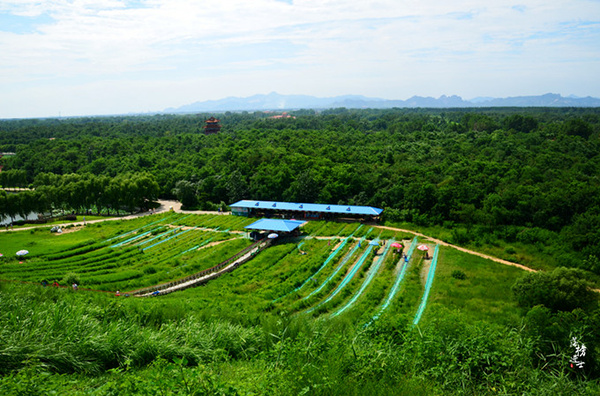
pixel 68 334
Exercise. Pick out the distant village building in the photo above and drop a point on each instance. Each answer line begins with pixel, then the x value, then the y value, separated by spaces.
pixel 212 126
pixel 282 115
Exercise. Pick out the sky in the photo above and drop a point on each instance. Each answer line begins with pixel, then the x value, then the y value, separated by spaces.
pixel 96 57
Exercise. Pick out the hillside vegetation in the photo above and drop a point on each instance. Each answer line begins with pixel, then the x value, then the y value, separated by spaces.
pixel 253 330
pixel 523 176
pixel 332 312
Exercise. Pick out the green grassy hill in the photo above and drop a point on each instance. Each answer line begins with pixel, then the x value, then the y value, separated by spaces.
pixel 296 319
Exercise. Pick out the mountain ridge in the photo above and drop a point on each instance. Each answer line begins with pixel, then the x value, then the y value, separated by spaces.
pixel 275 101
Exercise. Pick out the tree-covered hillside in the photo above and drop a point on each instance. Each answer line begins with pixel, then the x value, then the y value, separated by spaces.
pixel 501 170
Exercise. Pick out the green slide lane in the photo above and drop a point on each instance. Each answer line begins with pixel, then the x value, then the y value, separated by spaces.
pixel 427 286
pixel 367 281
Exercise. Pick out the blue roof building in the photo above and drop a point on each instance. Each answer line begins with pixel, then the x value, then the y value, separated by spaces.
pixel 275 225
pixel 302 210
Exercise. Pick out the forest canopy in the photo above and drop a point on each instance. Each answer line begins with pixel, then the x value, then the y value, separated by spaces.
pixel 535 170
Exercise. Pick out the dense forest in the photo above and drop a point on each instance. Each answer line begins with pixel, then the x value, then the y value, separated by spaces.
pixel 529 174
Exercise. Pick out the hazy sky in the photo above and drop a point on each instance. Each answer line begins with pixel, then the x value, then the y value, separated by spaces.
pixel 77 57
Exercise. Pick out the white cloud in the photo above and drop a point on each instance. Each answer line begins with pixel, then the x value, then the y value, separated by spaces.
pixel 384 48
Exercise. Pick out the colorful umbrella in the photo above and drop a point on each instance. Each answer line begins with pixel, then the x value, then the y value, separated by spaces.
pixel 272 236
pixel 1 255
pixel 423 247
pixel 22 252
pixel 396 245
pixel 373 243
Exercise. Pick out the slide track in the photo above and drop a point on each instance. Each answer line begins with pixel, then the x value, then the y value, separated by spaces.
pixel 428 284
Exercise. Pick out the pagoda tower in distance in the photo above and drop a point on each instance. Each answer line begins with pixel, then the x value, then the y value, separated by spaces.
pixel 212 126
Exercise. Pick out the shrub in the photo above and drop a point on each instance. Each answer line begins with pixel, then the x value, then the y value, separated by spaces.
pixel 458 274
pixel 149 270
pixel 70 278
pixel 563 289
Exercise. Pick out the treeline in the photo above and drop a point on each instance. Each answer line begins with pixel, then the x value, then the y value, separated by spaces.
pixel 485 168
pixel 81 193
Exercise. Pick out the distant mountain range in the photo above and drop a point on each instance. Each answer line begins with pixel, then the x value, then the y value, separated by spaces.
pixel 275 101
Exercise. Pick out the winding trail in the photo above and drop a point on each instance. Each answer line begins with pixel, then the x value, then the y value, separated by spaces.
pixel 462 249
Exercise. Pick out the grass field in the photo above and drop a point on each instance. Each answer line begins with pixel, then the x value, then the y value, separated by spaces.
pixel 126 255
pixel 251 330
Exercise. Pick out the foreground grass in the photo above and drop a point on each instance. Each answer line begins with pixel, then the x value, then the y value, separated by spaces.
pixel 53 340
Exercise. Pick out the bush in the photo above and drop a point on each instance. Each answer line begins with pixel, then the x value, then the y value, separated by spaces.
pixel 458 274
pixel 71 278
pixel 149 270
pixel 563 289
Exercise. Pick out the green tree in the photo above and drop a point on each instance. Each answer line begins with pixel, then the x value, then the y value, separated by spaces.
pixel 563 289
pixel 237 188
pixel 520 123
pixel 186 193
pixel 303 189
pixel 577 127
pixel 13 178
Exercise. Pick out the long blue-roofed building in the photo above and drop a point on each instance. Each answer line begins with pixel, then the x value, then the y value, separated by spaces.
pixel 290 210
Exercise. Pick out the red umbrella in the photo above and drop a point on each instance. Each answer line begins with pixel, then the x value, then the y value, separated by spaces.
pixel 396 245
pixel 423 247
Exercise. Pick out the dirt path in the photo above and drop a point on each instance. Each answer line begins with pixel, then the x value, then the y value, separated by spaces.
pixel 185 228
pixel 473 252
pixel 215 243
pixel 164 207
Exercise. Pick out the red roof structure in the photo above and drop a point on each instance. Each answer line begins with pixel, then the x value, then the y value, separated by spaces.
pixel 212 126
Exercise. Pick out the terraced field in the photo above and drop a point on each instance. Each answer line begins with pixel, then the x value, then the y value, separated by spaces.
pixel 336 301
pixel 126 255
pixel 332 269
